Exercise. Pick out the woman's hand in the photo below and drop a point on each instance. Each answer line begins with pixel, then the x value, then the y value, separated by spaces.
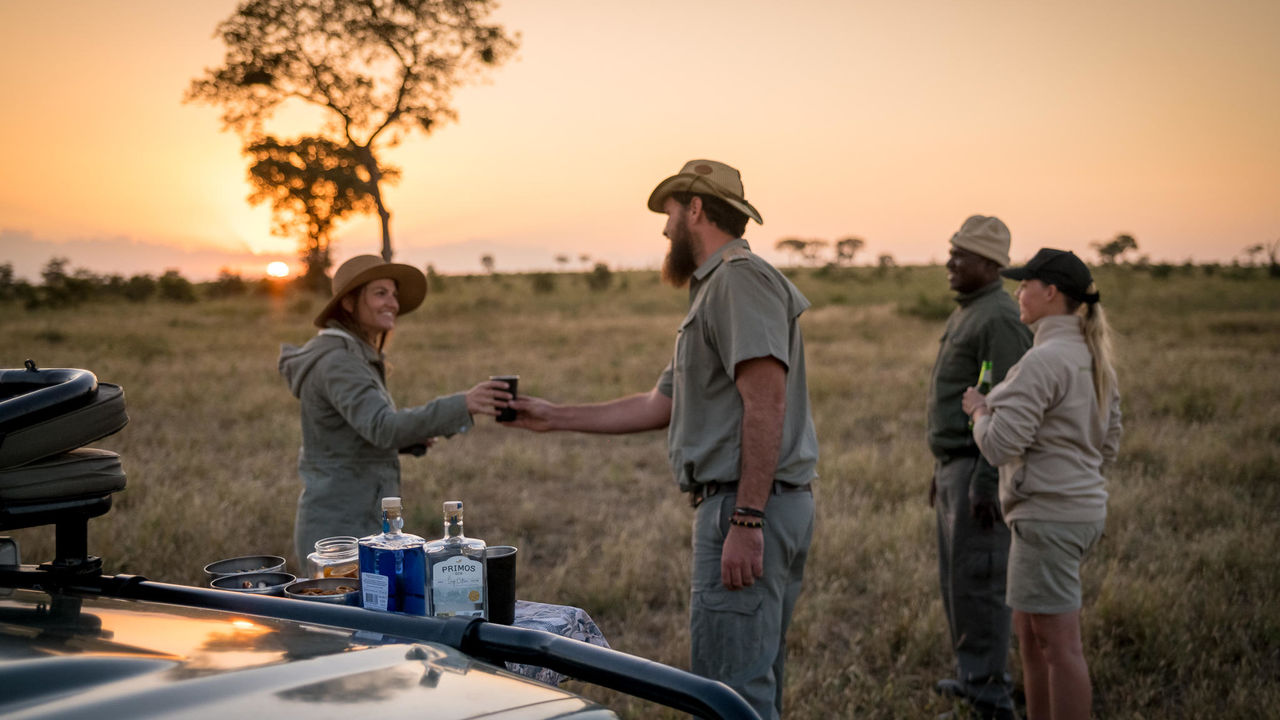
pixel 488 397
pixel 974 403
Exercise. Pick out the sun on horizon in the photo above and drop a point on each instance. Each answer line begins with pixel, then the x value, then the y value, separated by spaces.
pixel 278 269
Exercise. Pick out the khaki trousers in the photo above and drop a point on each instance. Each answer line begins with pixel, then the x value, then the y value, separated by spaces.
pixel 972 564
pixel 739 636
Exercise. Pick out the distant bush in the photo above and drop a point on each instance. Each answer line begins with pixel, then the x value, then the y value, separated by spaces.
pixel 228 284
pixel 928 307
pixel 8 286
pixel 600 277
pixel 139 288
pixel 172 286
pixel 435 281
pixel 543 282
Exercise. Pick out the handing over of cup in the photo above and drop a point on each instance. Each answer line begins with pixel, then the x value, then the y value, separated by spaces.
pixel 507 414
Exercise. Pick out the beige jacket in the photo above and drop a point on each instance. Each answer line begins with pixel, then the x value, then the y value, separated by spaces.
pixel 1045 433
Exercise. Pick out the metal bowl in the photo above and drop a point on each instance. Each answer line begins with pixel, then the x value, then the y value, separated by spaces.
pixel 258 583
pixel 306 590
pixel 245 564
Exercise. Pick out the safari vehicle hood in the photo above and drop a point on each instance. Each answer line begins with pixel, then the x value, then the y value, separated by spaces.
pixel 66 656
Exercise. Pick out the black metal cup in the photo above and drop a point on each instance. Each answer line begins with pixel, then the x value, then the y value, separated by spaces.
pixel 501 560
pixel 507 414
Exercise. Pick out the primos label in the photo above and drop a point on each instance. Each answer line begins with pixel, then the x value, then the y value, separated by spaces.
pixel 457 586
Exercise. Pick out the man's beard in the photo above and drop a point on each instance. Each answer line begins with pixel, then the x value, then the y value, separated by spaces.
pixel 681 260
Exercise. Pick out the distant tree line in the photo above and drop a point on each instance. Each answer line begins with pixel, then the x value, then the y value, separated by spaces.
pixel 64 287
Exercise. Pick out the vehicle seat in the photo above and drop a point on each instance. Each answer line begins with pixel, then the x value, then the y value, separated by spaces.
pixel 46 477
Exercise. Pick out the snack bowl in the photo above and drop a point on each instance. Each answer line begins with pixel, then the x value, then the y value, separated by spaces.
pixel 258 583
pixel 244 564
pixel 333 590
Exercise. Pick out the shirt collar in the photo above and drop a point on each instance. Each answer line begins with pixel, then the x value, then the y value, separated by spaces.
pixel 1051 326
pixel 966 298
pixel 710 264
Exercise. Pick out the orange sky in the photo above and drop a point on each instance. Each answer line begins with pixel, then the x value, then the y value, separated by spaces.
pixel 891 120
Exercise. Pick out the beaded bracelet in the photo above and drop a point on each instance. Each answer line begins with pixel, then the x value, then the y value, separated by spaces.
pixel 750 511
pixel 751 524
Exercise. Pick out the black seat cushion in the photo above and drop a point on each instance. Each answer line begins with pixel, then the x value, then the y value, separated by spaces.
pixel 80 473
pixel 103 415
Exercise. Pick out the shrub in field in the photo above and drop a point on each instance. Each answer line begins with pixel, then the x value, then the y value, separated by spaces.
pixel 228 284
pixel 139 288
pixel 543 283
pixel 928 307
pixel 172 286
pixel 600 277
pixel 435 281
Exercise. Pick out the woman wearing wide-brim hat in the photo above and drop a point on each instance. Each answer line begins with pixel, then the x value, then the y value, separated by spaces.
pixel 352 431
pixel 1050 426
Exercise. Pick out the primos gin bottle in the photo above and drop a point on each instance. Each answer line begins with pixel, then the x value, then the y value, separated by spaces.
pixel 392 566
pixel 456 569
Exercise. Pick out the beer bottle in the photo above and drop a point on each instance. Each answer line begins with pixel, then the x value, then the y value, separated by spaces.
pixel 984 382
pixel 984 377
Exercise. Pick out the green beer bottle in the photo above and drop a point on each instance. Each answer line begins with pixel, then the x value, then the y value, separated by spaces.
pixel 984 382
pixel 984 377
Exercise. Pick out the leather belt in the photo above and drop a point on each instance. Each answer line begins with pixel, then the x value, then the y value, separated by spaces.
pixel 705 490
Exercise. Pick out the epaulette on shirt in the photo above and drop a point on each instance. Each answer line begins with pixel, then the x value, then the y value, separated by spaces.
pixel 737 254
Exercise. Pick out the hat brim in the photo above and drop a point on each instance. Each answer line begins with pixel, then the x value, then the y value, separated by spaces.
pixel 1017 273
pixel 411 288
pixel 685 182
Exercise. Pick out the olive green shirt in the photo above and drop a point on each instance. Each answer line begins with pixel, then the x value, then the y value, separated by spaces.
pixel 740 308
pixel 984 327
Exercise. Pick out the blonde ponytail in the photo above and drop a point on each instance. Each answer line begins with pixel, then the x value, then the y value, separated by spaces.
pixel 1097 335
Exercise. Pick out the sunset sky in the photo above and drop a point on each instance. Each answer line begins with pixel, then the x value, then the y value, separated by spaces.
pixel 890 120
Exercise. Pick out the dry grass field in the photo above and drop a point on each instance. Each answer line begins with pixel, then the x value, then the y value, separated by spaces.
pixel 1181 617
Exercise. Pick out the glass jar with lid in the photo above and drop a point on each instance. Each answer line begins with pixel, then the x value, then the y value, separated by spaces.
pixel 334 557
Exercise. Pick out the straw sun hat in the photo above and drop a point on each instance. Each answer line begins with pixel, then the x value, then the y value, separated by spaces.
pixel 411 284
pixel 707 177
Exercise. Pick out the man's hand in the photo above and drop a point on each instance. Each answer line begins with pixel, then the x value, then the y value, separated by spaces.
pixel 532 413
pixel 742 558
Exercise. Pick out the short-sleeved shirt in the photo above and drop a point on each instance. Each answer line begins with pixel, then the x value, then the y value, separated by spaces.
pixel 740 308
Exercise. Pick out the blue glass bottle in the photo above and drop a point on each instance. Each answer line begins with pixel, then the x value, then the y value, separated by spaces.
pixel 393 566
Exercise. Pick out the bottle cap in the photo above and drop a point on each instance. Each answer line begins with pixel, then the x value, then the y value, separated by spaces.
pixel 390 502
pixel 452 506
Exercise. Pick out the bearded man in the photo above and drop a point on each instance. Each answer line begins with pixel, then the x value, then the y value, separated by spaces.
pixel 741 439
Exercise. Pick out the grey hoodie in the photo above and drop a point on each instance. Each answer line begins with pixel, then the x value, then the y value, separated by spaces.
pixel 351 433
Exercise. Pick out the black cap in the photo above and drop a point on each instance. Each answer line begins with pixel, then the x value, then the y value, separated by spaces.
pixel 1060 268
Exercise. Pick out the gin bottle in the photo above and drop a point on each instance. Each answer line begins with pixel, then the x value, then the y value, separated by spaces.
pixel 393 566
pixel 457 575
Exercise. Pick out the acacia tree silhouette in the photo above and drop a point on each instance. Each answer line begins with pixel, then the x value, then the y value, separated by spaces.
pixel 377 68
pixel 311 183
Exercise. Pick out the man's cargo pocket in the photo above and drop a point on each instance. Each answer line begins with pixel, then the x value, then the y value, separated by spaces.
pixel 726 630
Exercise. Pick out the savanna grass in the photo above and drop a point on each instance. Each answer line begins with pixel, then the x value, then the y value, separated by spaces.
pixel 1180 619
